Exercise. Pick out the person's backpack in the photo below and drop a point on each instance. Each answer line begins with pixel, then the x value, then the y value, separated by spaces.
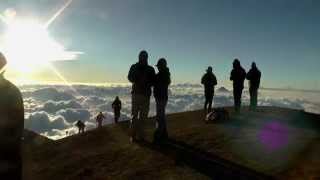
pixel 218 114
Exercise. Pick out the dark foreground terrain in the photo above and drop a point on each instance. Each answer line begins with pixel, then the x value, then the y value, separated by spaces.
pixel 270 143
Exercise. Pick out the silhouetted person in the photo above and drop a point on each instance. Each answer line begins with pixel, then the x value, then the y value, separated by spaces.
pixel 238 75
pixel 209 80
pixel 253 76
pixel 116 106
pixel 100 117
pixel 162 82
pixel 141 75
pixel 11 127
pixel 81 126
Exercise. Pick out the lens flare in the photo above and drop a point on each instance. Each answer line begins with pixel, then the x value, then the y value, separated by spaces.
pixel 28 46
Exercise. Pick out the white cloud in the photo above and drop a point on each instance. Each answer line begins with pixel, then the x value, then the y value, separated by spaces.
pixel 52 110
pixel 53 106
pixel 42 122
pixel 49 93
pixel 73 115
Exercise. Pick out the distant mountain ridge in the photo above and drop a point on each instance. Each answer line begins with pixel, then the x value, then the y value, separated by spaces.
pixel 223 90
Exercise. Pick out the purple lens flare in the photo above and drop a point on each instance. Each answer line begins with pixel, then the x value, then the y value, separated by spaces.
pixel 274 136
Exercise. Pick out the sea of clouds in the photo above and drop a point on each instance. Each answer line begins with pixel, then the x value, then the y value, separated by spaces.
pixel 52 110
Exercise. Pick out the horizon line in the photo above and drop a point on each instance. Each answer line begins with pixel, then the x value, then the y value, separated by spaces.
pixel 113 84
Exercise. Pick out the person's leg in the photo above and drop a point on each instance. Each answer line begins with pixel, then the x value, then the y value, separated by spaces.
pixel 161 131
pixel 144 111
pixel 163 121
pixel 156 134
pixel 237 92
pixel 255 98
pixel 134 113
pixel 251 98
pixel 206 104
pixel 210 102
pixel 235 99
pixel 117 115
pixel 240 99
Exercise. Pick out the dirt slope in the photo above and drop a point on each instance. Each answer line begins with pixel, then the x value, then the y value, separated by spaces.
pixel 279 142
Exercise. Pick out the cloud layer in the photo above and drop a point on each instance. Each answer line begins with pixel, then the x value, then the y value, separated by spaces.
pixel 53 110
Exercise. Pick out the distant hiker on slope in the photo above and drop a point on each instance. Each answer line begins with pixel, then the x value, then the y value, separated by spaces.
pixel 100 117
pixel 162 81
pixel 81 126
pixel 253 76
pixel 238 75
pixel 209 80
pixel 11 127
pixel 116 106
pixel 141 75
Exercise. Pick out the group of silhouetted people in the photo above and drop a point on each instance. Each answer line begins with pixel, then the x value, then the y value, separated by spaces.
pixel 116 106
pixel 238 76
pixel 143 78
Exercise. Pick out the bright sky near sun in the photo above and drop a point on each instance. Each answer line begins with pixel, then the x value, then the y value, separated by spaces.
pixel 96 41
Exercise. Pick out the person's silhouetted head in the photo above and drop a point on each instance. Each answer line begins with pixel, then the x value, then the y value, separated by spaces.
pixel 143 57
pixel 236 63
pixel 3 62
pixel 253 65
pixel 209 70
pixel 117 97
pixel 162 63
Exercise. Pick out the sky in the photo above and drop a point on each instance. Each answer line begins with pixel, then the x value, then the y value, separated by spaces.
pixel 101 39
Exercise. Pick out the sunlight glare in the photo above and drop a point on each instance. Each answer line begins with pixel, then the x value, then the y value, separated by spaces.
pixel 28 46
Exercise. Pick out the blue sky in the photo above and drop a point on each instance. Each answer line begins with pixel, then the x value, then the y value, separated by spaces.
pixel 281 36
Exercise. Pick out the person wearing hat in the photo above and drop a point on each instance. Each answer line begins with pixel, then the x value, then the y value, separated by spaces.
pixel 238 75
pixel 254 76
pixel 160 92
pixel 209 81
pixel 142 76
pixel 11 127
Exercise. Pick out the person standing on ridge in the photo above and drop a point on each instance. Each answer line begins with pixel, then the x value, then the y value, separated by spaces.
pixel 116 106
pixel 254 76
pixel 100 117
pixel 81 126
pixel 142 76
pixel 209 81
pixel 238 75
pixel 162 82
pixel 11 127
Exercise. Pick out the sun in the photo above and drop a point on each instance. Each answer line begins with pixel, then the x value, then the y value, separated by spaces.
pixel 28 46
